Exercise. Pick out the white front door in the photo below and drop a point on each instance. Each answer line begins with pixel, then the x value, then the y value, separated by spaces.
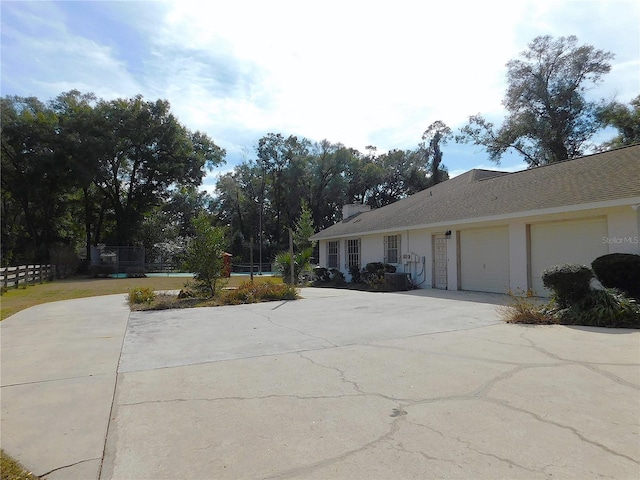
pixel 440 262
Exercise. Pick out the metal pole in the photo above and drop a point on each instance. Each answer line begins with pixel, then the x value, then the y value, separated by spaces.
pixel 260 233
pixel 251 257
pixel 293 282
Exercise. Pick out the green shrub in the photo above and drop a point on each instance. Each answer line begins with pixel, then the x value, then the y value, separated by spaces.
pixel 322 274
pixel 373 274
pixel 301 263
pixel 354 271
pixel 569 283
pixel 140 295
pixel 337 277
pixel 331 277
pixel 619 270
pixel 602 308
pixel 598 308
pixel 249 292
pixel 373 267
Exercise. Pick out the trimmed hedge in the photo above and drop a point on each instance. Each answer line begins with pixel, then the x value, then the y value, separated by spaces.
pixel 329 277
pixel 620 271
pixel 569 283
pixel 373 274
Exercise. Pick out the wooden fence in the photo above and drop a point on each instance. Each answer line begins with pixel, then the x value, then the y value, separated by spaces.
pixel 25 274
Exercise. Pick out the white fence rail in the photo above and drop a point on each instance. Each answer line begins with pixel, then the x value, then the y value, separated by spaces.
pixel 25 274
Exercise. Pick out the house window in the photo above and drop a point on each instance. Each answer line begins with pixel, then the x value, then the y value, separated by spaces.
pixel 353 253
pixel 333 254
pixel 392 249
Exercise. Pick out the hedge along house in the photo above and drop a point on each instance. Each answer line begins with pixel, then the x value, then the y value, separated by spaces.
pixel 494 231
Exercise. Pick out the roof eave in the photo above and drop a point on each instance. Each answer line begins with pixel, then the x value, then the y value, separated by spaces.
pixel 631 202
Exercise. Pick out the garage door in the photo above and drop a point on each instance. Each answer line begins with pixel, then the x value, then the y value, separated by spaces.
pixel 484 260
pixel 556 243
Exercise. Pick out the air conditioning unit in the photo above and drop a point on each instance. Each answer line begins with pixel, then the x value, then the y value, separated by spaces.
pixel 397 281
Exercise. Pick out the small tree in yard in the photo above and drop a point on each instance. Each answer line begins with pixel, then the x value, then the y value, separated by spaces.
pixel 303 247
pixel 304 229
pixel 204 256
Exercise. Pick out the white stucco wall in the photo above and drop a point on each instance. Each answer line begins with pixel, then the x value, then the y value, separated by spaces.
pixel 372 247
pixel 622 235
pixel 518 256
pixel 419 244
pixel 623 231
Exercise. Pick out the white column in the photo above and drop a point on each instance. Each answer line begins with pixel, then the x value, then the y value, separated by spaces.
pixel 452 261
pixel 518 257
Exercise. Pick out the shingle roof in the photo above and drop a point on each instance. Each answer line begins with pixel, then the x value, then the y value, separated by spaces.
pixel 612 175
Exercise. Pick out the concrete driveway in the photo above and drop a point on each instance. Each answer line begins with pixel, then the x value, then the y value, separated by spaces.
pixel 340 384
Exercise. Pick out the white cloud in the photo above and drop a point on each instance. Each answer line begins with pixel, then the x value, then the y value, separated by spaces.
pixel 56 60
pixel 343 71
pixel 358 73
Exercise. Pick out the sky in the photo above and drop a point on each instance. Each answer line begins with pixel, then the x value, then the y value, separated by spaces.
pixel 355 72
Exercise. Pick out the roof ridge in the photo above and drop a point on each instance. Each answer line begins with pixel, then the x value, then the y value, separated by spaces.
pixel 582 181
pixel 582 157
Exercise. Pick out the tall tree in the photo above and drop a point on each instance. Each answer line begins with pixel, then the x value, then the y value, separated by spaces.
pixel 548 117
pixel 277 156
pixel 35 180
pixel 149 152
pixel 399 173
pixel 79 145
pixel 625 119
pixel 327 180
pixel 436 134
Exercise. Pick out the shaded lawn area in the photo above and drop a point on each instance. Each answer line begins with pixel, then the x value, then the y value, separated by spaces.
pixel 18 299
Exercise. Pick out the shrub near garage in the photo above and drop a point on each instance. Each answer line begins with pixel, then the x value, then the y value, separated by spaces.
pixel 603 308
pixel 569 282
pixel 574 302
pixel 619 270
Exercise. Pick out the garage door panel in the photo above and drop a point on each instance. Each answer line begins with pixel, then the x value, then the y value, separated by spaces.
pixel 484 260
pixel 557 243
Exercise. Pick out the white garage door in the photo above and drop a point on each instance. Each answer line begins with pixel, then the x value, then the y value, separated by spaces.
pixel 484 260
pixel 556 243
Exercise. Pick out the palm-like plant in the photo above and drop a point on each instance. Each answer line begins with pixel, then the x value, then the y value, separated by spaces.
pixel 302 262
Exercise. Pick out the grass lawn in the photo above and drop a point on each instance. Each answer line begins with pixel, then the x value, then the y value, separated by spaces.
pixel 12 470
pixel 18 299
